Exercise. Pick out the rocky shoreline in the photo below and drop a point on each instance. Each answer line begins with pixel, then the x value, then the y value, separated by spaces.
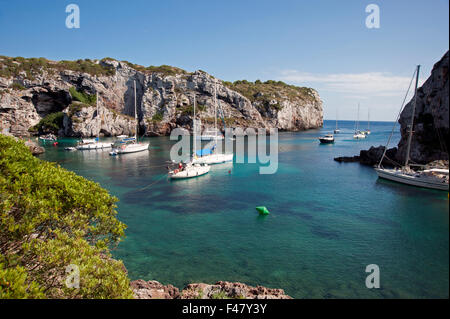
pixel 221 290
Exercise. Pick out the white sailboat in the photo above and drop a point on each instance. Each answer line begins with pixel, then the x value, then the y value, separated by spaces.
pixel 93 144
pixel 337 130
pixel 210 156
pixel 191 169
pixel 367 132
pixel 358 134
pixel 431 178
pixel 130 145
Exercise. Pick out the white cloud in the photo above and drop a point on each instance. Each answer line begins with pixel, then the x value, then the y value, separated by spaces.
pixel 352 85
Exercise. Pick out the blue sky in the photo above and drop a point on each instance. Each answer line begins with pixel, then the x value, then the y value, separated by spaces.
pixel 320 44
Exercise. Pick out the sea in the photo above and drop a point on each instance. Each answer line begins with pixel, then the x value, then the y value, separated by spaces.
pixel 329 222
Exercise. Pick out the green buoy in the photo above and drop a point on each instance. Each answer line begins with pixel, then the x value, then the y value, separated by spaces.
pixel 262 210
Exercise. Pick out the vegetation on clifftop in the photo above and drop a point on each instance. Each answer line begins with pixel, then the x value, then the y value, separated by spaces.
pixel 29 68
pixel 266 92
pixel 51 218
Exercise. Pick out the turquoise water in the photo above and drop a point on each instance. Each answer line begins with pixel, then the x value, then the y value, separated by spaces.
pixel 328 220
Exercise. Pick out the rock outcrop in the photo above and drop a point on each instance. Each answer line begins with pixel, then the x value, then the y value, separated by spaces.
pixel 372 157
pixel 430 140
pixel 153 290
pixel 220 290
pixel 31 89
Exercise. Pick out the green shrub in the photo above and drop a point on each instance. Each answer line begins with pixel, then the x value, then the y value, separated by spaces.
pixel 50 123
pixel 51 218
pixel 158 117
pixel 75 107
pixel 82 97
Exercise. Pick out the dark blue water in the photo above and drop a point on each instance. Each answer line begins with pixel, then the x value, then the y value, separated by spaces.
pixel 328 220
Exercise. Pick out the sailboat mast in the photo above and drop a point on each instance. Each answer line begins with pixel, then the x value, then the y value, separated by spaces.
pixel 368 119
pixel 215 108
pixel 194 147
pixel 135 112
pixel 98 116
pixel 357 120
pixel 413 114
pixel 336 119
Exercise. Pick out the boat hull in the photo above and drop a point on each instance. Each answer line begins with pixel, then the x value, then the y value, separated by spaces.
pixel 190 172
pixel 399 177
pixel 132 148
pixel 94 146
pixel 213 159
pixel 326 141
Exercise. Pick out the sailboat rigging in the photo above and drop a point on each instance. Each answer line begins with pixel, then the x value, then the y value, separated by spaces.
pixel 431 178
pixel 190 169
pixel 210 155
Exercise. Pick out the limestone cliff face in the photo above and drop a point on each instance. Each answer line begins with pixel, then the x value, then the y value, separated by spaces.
pixel 164 101
pixel 430 140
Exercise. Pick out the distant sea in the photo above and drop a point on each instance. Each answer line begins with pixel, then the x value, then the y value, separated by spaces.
pixel 328 220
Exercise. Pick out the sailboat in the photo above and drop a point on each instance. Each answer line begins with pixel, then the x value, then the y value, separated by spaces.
pixel 431 178
pixel 358 134
pixel 209 155
pixel 131 144
pixel 191 169
pixel 93 144
pixel 367 132
pixel 337 130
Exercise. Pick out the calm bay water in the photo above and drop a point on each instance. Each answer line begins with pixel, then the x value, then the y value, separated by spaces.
pixel 328 220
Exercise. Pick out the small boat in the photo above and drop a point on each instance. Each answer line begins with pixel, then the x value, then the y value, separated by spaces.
pixel 92 144
pixel 337 130
pixel 70 148
pixel 131 144
pixel 327 139
pixel 367 132
pixel 189 170
pixel 359 135
pixel 48 138
pixel 128 145
pixel 434 178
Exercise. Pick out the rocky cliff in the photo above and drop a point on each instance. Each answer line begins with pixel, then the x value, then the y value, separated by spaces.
pixel 430 140
pixel 33 89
